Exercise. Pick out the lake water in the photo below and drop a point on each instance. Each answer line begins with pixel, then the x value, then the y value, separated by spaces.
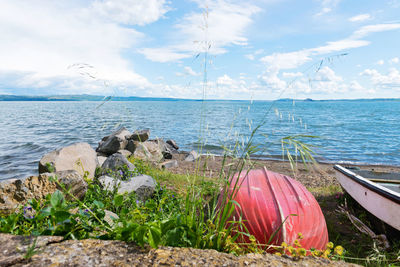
pixel 365 132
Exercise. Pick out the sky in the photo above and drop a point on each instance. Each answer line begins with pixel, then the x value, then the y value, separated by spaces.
pixel 223 49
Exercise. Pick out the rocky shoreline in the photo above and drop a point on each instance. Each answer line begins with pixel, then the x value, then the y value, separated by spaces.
pixel 78 162
pixel 54 251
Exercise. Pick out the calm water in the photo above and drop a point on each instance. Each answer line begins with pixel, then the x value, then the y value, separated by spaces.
pixel 350 131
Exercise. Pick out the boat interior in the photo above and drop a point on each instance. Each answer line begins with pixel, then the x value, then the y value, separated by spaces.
pixel 388 180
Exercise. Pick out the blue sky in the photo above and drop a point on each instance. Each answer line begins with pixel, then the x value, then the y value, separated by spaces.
pixel 260 49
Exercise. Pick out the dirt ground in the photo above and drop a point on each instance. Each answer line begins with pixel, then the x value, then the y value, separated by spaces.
pixel 320 180
pixel 315 176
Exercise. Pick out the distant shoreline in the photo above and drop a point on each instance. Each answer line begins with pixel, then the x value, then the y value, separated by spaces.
pixel 136 98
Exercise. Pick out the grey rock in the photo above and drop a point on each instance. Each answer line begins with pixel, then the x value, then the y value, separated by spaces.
pixel 169 164
pixel 192 156
pixel 108 182
pixel 149 151
pixel 124 153
pixel 115 162
pixel 131 146
pixel 143 185
pixel 99 154
pixel 80 157
pixel 101 160
pixel 167 155
pixel 114 142
pixel 166 149
pixel 140 135
pixel 73 182
pixel 173 144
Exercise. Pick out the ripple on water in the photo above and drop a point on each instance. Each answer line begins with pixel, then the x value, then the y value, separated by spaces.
pixel 356 132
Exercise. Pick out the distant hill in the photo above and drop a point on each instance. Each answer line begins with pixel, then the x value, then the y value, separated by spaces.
pixel 85 97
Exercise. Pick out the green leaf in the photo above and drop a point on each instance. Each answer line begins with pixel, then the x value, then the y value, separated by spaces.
pixel 46 211
pixel 118 199
pixel 99 204
pixel 61 215
pixel 56 199
pixel 154 237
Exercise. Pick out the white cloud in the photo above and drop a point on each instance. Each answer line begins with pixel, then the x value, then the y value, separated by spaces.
pixel 225 80
pixel 187 71
pixel 380 62
pixel 253 55
pixel 163 54
pixel 324 81
pixel 291 60
pixel 337 46
pixel 326 74
pixel 225 25
pixel 250 56
pixel 327 6
pixel 134 12
pixel 391 80
pixel 361 17
pixel 291 74
pixel 271 80
pixel 394 60
pixel 366 30
pixel 40 40
pixel 226 87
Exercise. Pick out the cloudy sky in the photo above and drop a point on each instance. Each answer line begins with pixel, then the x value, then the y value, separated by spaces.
pixel 260 49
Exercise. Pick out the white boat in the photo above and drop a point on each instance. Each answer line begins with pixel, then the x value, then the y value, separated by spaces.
pixel 377 192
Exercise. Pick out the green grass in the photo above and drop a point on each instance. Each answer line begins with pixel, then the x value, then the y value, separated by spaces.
pixel 360 248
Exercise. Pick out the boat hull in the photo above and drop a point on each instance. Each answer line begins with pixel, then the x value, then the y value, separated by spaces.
pixel 276 208
pixel 378 200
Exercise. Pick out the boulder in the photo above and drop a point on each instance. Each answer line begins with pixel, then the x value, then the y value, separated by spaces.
pixel 131 146
pixel 166 149
pixel 17 192
pixel 55 251
pixel 169 164
pixel 143 185
pixel 80 157
pixel 116 162
pixel 73 182
pixel 173 144
pixel 192 156
pixel 140 135
pixel 124 152
pixel 114 142
pixel 101 160
pixel 149 151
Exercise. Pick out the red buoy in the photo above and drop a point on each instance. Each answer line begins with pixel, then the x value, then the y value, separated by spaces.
pixel 267 201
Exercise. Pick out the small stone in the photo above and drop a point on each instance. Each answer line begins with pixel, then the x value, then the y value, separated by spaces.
pixel 140 135
pixel 192 156
pixel 114 142
pixel 124 153
pixel 169 164
pixel 173 144
pixel 115 162
pixel 131 146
